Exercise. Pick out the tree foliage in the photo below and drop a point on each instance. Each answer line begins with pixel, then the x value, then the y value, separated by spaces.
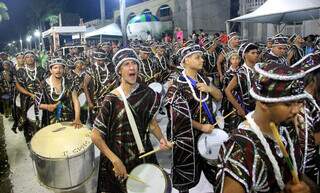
pixel 42 10
pixel 4 15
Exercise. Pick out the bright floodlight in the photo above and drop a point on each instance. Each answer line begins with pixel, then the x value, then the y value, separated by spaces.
pixel 28 39
pixel 13 42
pixel 37 33
pixel 9 44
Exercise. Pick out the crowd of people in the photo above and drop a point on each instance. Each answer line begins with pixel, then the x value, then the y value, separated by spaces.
pixel 201 80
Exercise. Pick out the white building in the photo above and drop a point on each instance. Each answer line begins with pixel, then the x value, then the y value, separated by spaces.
pixel 209 15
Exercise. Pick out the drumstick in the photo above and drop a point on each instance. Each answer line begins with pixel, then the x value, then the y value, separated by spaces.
pixel 200 107
pixel 225 116
pixel 152 152
pixel 136 179
pixel 284 152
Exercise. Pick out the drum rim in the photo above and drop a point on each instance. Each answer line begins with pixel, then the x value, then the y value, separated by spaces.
pixel 166 179
pixel 59 158
pixel 78 154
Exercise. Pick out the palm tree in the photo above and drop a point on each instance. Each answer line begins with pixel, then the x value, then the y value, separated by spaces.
pixel 3 12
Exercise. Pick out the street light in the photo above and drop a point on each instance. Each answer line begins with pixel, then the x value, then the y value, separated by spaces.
pixel 37 34
pixel 21 47
pixel 28 39
pixel 9 44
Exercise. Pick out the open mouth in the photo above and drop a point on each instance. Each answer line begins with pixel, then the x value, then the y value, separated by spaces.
pixel 132 74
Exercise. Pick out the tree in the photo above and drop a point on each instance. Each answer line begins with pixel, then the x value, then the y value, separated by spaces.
pixel 52 19
pixel 41 10
pixel 3 12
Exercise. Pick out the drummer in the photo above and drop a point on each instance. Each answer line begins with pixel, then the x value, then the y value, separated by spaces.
pixel 262 167
pixel 28 82
pixel 191 97
pixel 99 80
pixel 148 70
pixel 114 134
pixel 76 76
pixel 58 100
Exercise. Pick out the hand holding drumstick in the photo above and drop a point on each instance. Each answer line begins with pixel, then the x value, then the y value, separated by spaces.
pixel 172 143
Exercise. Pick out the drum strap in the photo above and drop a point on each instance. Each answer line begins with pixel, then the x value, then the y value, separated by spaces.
pixel 132 122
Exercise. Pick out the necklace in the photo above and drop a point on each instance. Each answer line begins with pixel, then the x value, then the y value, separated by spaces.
pixel 30 70
pixel 144 70
pixel 103 69
pixel 192 89
pixel 214 57
pixel 160 61
pixel 52 87
pixel 255 129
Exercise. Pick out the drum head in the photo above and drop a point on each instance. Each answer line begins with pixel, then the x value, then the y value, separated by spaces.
pixel 209 144
pixel 156 87
pixel 82 99
pixel 31 114
pixel 60 140
pixel 153 179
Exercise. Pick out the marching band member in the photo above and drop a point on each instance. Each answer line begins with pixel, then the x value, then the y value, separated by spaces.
pixel 240 84
pixel 251 160
pixel 186 96
pixel 233 44
pixel 59 101
pixel 278 51
pixel 99 80
pixel 121 128
pixel 29 83
pixel 295 52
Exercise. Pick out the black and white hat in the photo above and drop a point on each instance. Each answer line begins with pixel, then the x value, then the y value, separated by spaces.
pixel 124 55
pixel 245 47
pixel 187 51
pixel 57 61
pixel 99 55
pixel 29 52
pixel 279 40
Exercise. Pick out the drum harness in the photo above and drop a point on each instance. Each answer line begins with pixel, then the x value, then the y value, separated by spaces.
pixel 132 122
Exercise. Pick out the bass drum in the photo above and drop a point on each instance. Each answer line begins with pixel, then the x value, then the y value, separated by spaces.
pixel 148 178
pixel 63 156
pixel 209 144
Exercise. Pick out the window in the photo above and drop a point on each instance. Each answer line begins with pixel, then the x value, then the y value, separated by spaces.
pixel 165 11
pixel 147 11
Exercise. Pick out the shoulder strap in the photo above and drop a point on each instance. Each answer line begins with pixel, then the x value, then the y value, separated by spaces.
pixel 132 122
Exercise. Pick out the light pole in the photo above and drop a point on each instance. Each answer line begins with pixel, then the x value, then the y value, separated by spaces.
pixel 37 34
pixel 28 39
pixel 21 46
pixel 123 21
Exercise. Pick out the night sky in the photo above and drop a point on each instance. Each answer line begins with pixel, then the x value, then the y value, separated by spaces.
pixel 17 25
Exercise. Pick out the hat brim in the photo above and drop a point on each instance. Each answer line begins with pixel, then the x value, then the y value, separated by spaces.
pixel 187 55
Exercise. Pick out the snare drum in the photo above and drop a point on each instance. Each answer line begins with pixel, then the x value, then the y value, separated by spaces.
pixel 31 114
pixel 82 99
pixel 209 144
pixel 62 155
pixel 156 87
pixel 154 180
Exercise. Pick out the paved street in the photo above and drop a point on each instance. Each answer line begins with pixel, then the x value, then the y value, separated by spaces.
pixel 23 176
